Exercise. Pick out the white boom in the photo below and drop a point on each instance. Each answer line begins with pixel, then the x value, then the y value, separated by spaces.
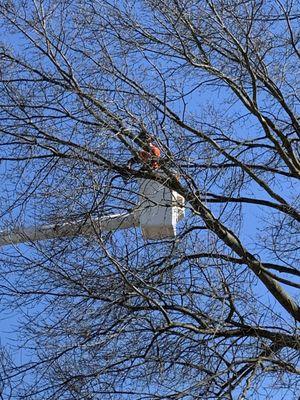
pixel 157 215
pixel 67 229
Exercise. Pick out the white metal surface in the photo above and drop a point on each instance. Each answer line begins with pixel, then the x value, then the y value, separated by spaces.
pixel 161 209
pixel 68 229
pixel 157 214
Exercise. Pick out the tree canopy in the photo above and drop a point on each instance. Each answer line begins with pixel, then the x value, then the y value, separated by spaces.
pixel 211 314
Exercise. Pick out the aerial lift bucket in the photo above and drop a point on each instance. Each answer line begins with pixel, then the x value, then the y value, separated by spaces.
pixel 160 210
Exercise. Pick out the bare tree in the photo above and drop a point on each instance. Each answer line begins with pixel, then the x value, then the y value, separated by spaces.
pixel 212 314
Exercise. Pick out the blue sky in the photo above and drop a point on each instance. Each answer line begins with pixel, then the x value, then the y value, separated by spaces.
pixel 199 102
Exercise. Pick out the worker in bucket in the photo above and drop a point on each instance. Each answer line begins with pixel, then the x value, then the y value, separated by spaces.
pixel 149 155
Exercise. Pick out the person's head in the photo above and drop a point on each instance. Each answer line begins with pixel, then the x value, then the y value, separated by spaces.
pixel 145 140
pixel 149 139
